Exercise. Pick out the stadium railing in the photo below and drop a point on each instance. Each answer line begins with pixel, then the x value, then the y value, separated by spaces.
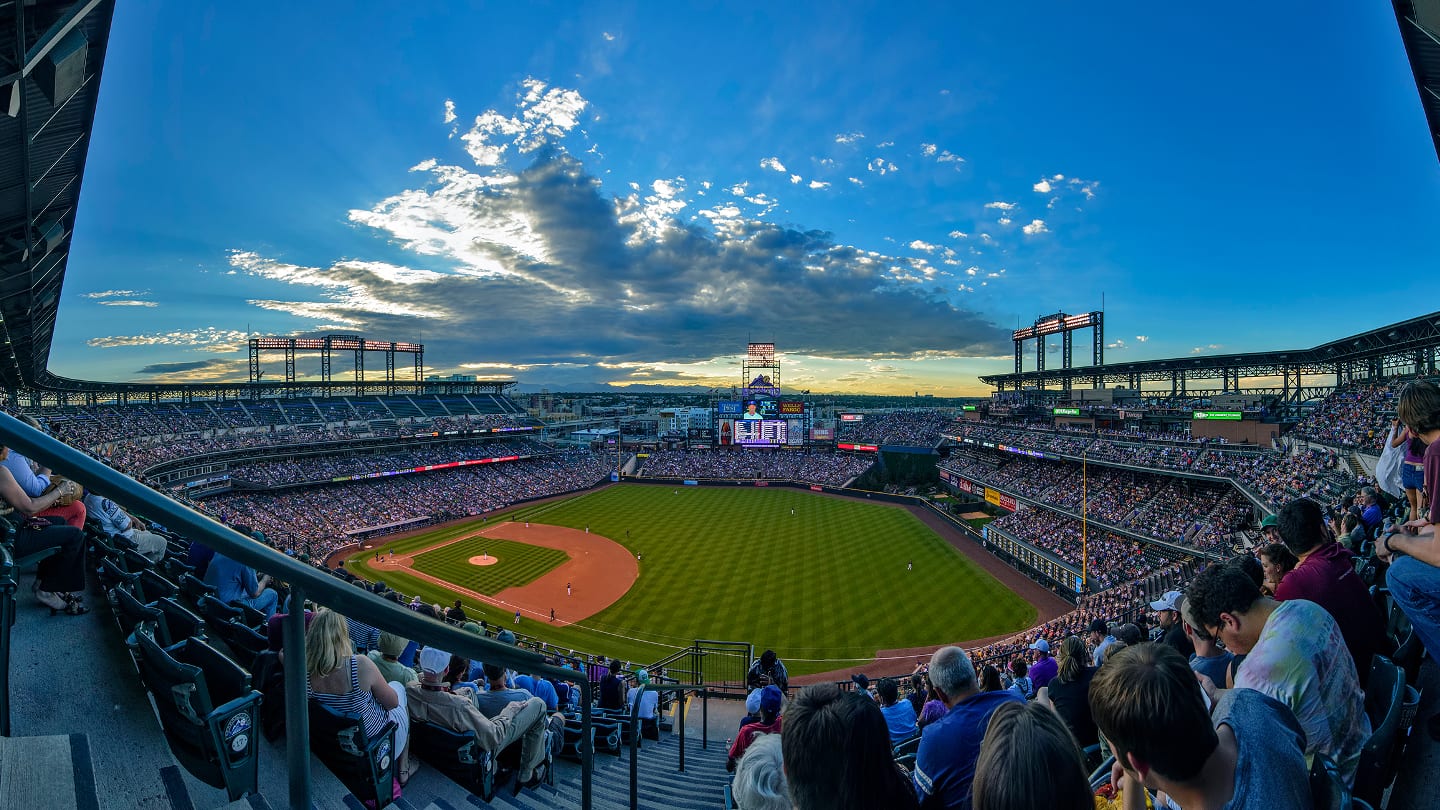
pixel 306 582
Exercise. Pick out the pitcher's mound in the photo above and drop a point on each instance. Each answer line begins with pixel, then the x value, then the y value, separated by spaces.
pixel 484 559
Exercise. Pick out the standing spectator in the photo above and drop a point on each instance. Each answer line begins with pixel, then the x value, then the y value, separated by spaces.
pixel 1326 576
pixel 769 723
pixel 899 714
pixel 1044 667
pixel 1168 617
pixel 1209 659
pixel 766 670
pixel 1412 470
pixel 1295 653
pixel 1150 709
pixel 236 582
pixel 1069 691
pixel 837 753
pixel 648 704
pixel 945 761
pixel 1023 743
pixel 612 687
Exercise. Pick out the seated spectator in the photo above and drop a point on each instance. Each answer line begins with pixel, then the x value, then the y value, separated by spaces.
pixel 769 723
pixel 387 659
pixel 917 692
pixel 1101 638
pixel 351 684
pixel 1276 561
pixel 752 707
pixel 945 761
pixel 612 688
pixel 1209 659
pixel 1371 513
pixel 760 777
pixel 497 695
pixel 236 582
pixel 456 613
pixel 862 684
pixel 1326 576
pixel 1295 653
pixel 1245 753
pixel 60 578
pixel 1029 761
pixel 433 701
pixel 837 752
pixel 542 688
pixel 899 714
pixel 648 703
pixel 1020 682
pixel 1069 691
pixel 1044 667
pixel 116 521
pixel 766 670
pixel 990 679
pixel 35 480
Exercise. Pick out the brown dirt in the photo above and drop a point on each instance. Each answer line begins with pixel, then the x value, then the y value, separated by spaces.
pixel 599 569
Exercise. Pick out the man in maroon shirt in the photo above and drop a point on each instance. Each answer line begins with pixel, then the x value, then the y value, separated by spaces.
pixel 1326 576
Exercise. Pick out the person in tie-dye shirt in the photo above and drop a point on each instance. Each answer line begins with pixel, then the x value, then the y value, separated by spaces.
pixel 1294 652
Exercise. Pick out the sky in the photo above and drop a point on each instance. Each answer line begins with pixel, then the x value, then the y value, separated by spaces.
pixel 603 196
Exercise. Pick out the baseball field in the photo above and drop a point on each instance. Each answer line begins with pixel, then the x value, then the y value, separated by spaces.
pixel 636 571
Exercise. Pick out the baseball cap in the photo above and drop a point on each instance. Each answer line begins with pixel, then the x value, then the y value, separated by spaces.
pixel 1269 521
pixel 861 681
pixel 1166 602
pixel 392 645
pixel 433 660
pixel 1041 644
pixel 642 676
pixel 752 701
pixel 1099 626
pixel 771 697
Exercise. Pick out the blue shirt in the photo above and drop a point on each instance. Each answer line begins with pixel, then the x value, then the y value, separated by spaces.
pixel 1270 768
pixel 945 762
pixel 232 580
pixel 900 717
pixel 541 688
pixel 19 466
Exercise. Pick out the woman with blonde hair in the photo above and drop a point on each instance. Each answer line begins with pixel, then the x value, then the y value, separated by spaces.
pixel 352 684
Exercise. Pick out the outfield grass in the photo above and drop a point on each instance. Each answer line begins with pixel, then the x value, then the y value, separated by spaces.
pixel 520 564
pixel 824 587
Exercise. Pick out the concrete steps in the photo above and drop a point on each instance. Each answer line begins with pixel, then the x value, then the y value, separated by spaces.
pixel 52 771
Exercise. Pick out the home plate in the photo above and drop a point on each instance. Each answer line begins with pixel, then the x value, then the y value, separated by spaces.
pixel 483 559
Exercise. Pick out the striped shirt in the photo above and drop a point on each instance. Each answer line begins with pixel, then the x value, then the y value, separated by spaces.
pixel 353 702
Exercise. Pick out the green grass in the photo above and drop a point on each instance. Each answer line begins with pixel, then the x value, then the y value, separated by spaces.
pixel 521 564
pixel 824 587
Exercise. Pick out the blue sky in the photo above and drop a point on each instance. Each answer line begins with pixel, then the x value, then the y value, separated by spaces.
pixel 586 196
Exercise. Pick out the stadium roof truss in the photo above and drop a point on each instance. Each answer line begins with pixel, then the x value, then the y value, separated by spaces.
pixel 51 62
pixel 1420 31
pixel 1398 348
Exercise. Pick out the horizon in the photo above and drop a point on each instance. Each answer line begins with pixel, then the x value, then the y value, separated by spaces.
pixel 601 200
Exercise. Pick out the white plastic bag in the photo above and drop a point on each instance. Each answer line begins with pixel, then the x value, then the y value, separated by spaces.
pixel 1387 471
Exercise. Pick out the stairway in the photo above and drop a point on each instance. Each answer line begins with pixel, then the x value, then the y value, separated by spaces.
pixel 34 772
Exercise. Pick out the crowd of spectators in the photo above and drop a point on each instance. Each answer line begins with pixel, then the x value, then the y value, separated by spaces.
pixel 1353 417
pixel 818 467
pixel 317 520
pixel 913 428
pixel 1112 558
pixel 329 467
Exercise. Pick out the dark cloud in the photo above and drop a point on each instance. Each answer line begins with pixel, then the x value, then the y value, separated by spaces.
pixel 175 368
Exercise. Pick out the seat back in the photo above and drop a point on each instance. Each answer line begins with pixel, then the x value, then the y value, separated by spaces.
pixel 1384 696
pixel 243 642
pixel 216 611
pixel 458 755
pixel 250 617
pixel 177 623
pixel 1328 790
pixel 365 766
pixel 193 589
pixel 215 743
pixel 155 586
pixel 132 612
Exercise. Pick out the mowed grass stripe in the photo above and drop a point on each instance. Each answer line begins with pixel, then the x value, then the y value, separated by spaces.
pixel 518 564
pixel 829 582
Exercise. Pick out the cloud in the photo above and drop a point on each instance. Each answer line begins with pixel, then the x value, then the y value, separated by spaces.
pixel 1118 345
pixel 609 37
pixel 1001 206
pixel 773 164
pixel 1036 227
pixel 884 144
pixel 817 184
pixel 1207 348
pixel 449 111
pixel 1062 185
pixel 927 149
pixel 115 294
pixel 857 181
pixel 947 156
pixel 1043 187
pixel 1141 338
pixel 125 302
pixel 1004 221
pixel 922 246
pixel 880 166
pixel 849 137
pixel 544 116
pixel 171 368
pixel 959 235
pixel 795 179
pixel 207 337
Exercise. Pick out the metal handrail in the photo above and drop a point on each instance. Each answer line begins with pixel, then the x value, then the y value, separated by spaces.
pixel 635 733
pixel 306 582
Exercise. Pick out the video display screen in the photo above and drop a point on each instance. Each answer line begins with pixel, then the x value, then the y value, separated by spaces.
pixel 765 432
pixel 757 409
